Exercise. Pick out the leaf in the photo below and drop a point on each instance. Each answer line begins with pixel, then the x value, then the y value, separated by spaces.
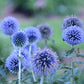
pixel 79 62
pixel 2 72
pixel 75 71
pixel 79 55
pixel 69 52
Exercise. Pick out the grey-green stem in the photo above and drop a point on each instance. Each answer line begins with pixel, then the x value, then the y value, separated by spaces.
pixel 31 63
pixel 19 73
pixel 42 78
pixel 72 72
pixel 46 44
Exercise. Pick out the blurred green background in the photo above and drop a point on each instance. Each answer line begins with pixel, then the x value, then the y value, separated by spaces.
pixel 35 12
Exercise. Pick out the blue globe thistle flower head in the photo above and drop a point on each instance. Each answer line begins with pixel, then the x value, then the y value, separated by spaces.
pixel 71 21
pixel 9 25
pixel 33 47
pixel 45 30
pixel 45 62
pixel 73 35
pixel 19 39
pixel 33 34
pixel 12 62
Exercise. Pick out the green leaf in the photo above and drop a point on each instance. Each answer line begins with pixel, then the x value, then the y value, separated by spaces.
pixel 79 62
pixel 69 52
pixel 2 72
pixel 79 55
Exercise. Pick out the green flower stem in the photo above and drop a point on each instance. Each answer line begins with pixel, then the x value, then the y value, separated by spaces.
pixel 46 44
pixel 31 63
pixel 19 73
pixel 42 78
pixel 72 72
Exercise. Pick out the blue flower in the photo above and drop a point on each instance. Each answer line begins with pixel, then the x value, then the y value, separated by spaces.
pixel 71 21
pixel 73 35
pixel 45 62
pixel 45 30
pixel 12 62
pixel 19 39
pixel 9 25
pixel 33 34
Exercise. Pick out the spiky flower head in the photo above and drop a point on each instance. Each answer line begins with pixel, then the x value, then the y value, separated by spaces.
pixel 19 39
pixel 12 62
pixel 73 35
pixel 33 47
pixel 71 21
pixel 45 30
pixel 33 34
pixel 45 62
pixel 9 25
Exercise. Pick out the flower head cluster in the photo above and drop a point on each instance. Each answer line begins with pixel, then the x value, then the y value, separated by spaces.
pixel 19 39
pixel 45 62
pixel 73 35
pixel 33 34
pixel 71 21
pixel 12 62
pixel 9 25
pixel 45 30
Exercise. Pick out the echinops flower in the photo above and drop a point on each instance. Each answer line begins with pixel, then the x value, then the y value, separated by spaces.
pixel 33 34
pixel 45 30
pixel 45 62
pixel 9 25
pixel 12 62
pixel 19 39
pixel 73 35
pixel 72 21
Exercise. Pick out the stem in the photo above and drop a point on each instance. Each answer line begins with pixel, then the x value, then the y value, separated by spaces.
pixel 72 73
pixel 42 78
pixel 19 73
pixel 46 43
pixel 31 63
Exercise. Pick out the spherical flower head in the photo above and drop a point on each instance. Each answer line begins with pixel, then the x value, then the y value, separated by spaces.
pixel 33 34
pixel 12 62
pixel 71 21
pixel 19 39
pixel 9 25
pixel 45 62
pixel 45 30
pixel 33 47
pixel 73 35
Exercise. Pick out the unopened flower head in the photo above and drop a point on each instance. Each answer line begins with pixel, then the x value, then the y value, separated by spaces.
pixel 45 30
pixel 9 25
pixel 19 39
pixel 71 21
pixel 45 62
pixel 12 62
pixel 73 35
pixel 33 34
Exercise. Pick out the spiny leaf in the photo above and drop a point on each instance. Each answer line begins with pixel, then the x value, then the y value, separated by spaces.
pixel 69 52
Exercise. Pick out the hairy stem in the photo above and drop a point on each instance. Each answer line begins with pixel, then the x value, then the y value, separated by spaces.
pixel 72 72
pixel 42 78
pixel 31 63
pixel 19 73
pixel 46 45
